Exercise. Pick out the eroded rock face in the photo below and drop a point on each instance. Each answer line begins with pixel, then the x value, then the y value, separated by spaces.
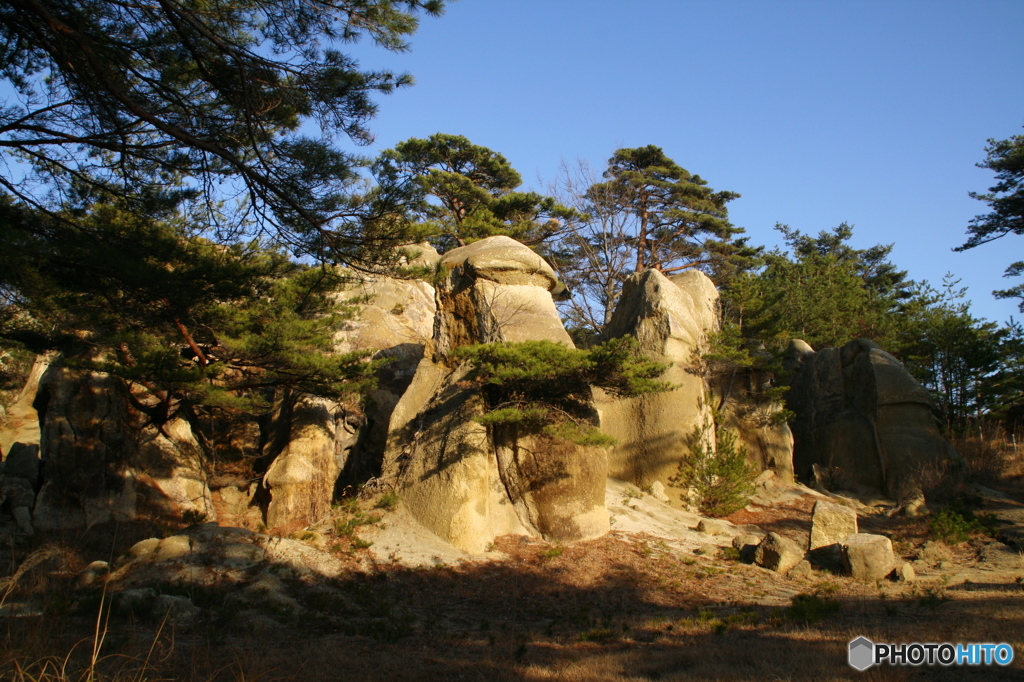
pixel 103 457
pixel 301 479
pixel 464 482
pixel 670 319
pixel 859 410
pixel 20 424
pixel 394 318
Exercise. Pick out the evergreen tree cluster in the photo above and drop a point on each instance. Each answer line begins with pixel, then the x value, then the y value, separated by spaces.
pixel 174 202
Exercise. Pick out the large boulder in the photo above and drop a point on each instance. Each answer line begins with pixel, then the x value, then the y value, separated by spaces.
pixel 860 411
pixel 868 557
pixel 104 457
pixel 460 479
pixel 671 319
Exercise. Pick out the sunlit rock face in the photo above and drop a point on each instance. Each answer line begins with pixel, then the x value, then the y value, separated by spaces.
pixel 671 319
pixel 465 482
pixel 860 411
pixel 105 459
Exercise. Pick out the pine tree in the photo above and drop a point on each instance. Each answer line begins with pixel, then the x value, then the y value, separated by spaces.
pixel 128 98
pixel 463 192
pixel 1006 198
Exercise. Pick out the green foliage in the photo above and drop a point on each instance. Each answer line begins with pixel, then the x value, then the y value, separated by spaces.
pixel 462 192
pixel 951 352
pixel 716 472
pixel 681 222
pixel 1006 199
pixel 811 608
pixel 129 97
pixel 544 387
pixel 826 293
pixel 648 213
pixel 202 328
pixel 388 500
pixel 956 523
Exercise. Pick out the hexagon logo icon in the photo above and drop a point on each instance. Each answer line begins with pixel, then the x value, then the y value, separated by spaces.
pixel 862 653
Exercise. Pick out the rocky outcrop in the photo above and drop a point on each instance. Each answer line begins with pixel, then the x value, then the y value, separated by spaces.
pixel 300 482
pixel 463 481
pixel 671 319
pixel 393 318
pixel 756 422
pixel 858 410
pixel 20 424
pixel 104 458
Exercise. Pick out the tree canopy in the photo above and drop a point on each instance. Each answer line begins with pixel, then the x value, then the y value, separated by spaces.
pixel 680 222
pixel 202 103
pixel 461 192
pixel 1006 199
pixel 647 213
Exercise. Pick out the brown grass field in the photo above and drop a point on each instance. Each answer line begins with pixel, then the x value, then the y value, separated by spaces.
pixel 617 608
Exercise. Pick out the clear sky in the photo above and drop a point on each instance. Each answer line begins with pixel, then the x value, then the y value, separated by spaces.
pixel 872 113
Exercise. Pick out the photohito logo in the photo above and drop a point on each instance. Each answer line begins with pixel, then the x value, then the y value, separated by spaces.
pixel 864 653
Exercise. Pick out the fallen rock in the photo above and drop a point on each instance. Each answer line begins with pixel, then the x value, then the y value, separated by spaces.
pixel 868 557
pixel 801 571
pixel 747 546
pixel 831 524
pixel 906 573
pixel 658 492
pixel 709 527
pixel 777 553
pixel 707 550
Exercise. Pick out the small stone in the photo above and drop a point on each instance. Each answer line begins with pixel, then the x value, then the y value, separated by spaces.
pixel 709 527
pixel 707 550
pixel 23 517
pixel 906 573
pixel 92 573
pixel 946 565
pixel 777 553
pixel 747 545
pixel 868 557
pixel 658 491
pixel 801 571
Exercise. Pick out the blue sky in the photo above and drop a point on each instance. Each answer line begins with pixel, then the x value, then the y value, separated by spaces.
pixel 872 113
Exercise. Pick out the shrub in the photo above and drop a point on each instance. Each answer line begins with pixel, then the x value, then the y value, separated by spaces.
pixel 717 473
pixel 542 387
pixel 956 523
pixel 810 608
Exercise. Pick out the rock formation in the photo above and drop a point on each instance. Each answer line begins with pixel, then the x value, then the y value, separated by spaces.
pixel 465 482
pixel 316 443
pixel 858 410
pixel 671 319
pixel 103 458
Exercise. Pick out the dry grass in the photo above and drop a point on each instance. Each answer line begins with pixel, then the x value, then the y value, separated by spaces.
pixel 617 608
pixel 994 455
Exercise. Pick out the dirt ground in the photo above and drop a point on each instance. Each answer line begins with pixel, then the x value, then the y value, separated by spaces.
pixel 628 606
